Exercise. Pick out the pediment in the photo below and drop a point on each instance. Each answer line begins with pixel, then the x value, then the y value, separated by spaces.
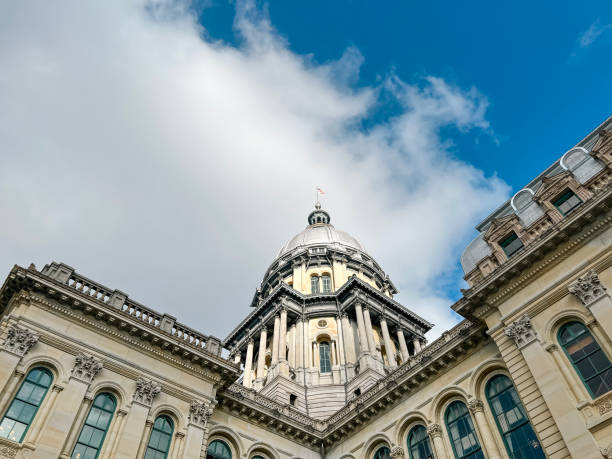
pixel 603 147
pixel 501 226
pixel 552 186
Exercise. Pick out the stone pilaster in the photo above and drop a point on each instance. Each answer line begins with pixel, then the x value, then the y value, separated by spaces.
pixel 476 407
pixel 593 295
pixel 435 433
pixel 248 365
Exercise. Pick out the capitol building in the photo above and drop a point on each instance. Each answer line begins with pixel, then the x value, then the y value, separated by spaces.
pixel 326 363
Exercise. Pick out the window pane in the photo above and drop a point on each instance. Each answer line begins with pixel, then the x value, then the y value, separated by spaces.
pixel 324 357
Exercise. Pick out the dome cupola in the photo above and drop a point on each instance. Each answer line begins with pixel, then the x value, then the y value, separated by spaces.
pixel 318 216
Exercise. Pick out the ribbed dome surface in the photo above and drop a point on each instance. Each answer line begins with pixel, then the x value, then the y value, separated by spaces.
pixel 321 234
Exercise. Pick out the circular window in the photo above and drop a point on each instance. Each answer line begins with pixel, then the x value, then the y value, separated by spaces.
pixel 322 323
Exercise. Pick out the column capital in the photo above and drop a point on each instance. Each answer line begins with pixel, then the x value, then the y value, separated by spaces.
pixel 521 331
pixel 434 430
pixel 200 413
pixel 146 391
pixel 19 341
pixel 587 288
pixel 475 406
pixel 397 451
pixel 86 367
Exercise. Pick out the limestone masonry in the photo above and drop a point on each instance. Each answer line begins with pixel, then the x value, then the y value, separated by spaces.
pixel 326 364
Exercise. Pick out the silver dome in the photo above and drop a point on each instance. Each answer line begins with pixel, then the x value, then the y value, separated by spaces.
pixel 321 234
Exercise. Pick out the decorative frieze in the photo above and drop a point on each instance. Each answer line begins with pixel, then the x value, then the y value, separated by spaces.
pixel 397 451
pixel 8 452
pixel 86 367
pixel 146 391
pixel 200 413
pixel 587 288
pixel 434 430
pixel 475 406
pixel 605 405
pixel 521 331
pixel 19 341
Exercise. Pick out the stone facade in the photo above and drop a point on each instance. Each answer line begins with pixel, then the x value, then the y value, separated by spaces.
pixel 328 364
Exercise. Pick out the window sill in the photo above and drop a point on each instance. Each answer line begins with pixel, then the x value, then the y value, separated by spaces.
pixel 598 412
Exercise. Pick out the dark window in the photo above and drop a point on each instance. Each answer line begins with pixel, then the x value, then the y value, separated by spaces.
pixel 512 421
pixel 325 362
pixel 590 362
pixel 22 410
pixel 292 399
pixel 160 439
pixel 96 425
pixel 357 392
pixel 511 244
pixel 314 284
pixel 383 453
pixel 461 431
pixel 567 202
pixel 419 446
pixel 218 450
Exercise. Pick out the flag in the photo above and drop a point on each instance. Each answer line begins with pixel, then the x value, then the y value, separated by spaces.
pixel 320 190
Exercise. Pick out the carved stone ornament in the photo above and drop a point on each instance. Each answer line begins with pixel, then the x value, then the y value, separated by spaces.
pixel 606 452
pixel 587 288
pixel 86 367
pixel 397 451
pixel 8 452
pixel 434 430
pixel 19 341
pixel 199 413
pixel 475 406
pixel 521 331
pixel 146 391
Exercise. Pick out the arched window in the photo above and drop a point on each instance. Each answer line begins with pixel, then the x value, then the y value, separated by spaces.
pixel 418 443
pixel 258 457
pixel 218 450
pixel 382 453
pixel 590 362
pixel 314 284
pixel 461 431
pixel 512 421
pixel 160 439
pixel 96 425
pixel 22 409
pixel 325 362
pixel 326 283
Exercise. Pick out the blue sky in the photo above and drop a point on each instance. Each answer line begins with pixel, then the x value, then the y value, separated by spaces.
pixel 546 88
pixel 177 145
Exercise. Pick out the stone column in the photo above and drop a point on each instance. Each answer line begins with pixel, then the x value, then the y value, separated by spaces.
pixel 291 358
pixel 334 360
pixel 387 341
pixel 41 417
pixel 363 339
pixel 55 434
pixel 435 433
pixel 197 430
pixel 592 294
pixel 401 339
pixel 417 344
pixel 369 332
pixel 282 344
pixel 116 428
pixel 145 439
pixel 349 340
pixel 275 338
pixel 341 351
pixel 9 390
pixel 307 345
pixel 18 342
pixel 476 407
pixel 261 357
pixel 131 438
pixel 299 343
pixel 78 422
pixel 578 439
pixel 248 365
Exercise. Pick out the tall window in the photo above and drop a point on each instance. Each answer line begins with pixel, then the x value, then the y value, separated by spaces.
pixel 512 421
pixel 382 453
pixel 462 434
pixel 511 244
pixel 314 284
pixel 96 425
pixel 22 409
pixel 590 362
pixel 567 202
pixel 325 361
pixel 160 439
pixel 418 443
pixel 326 283
pixel 218 450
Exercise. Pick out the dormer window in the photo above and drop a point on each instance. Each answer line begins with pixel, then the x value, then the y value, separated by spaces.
pixel 567 202
pixel 511 244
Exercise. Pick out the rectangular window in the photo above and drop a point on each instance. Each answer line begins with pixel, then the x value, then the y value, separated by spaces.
pixel 567 202
pixel 314 285
pixel 511 244
pixel 326 281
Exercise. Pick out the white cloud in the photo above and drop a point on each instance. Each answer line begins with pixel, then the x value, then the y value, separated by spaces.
pixel 588 37
pixel 173 167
